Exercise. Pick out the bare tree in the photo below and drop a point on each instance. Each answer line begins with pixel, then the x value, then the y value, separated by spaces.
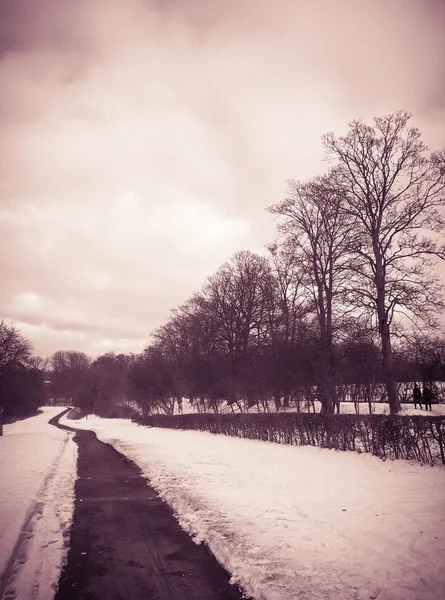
pixel 106 384
pixel 426 355
pixel 69 370
pixel 394 191
pixel 190 340
pixel 151 383
pixel 287 304
pixel 15 349
pixel 235 299
pixel 317 231
pixel 235 295
pixel 21 375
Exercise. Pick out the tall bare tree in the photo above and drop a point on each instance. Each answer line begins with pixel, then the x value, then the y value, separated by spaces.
pixel 317 230
pixel 287 304
pixel 235 294
pixel 395 191
pixel 235 297
pixel 287 301
pixel 190 339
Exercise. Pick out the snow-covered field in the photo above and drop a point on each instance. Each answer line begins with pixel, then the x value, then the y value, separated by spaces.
pixel 378 408
pixel 38 464
pixel 382 408
pixel 297 522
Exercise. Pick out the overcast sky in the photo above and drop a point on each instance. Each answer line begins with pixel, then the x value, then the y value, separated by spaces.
pixel 141 141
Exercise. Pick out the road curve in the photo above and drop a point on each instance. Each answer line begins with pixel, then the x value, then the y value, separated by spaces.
pixel 125 542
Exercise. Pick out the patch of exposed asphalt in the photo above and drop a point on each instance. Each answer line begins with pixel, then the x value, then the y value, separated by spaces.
pixel 125 541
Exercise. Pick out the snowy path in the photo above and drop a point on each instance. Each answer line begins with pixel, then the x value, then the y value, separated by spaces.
pixel 294 523
pixel 125 542
pixel 38 467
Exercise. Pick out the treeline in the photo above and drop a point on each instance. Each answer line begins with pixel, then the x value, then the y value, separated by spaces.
pixel 337 301
pixel 267 377
pixel 154 381
pixel 333 311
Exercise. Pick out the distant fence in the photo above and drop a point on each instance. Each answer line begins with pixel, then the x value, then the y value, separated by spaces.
pixel 408 437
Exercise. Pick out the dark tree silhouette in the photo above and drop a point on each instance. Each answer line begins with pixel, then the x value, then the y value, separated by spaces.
pixel 318 232
pixel 394 191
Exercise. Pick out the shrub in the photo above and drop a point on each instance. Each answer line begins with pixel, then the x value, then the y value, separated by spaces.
pixel 408 437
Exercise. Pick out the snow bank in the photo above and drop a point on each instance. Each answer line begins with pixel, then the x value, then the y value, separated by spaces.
pixel 38 466
pixel 297 522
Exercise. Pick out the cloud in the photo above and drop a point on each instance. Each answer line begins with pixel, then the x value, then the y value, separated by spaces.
pixel 141 141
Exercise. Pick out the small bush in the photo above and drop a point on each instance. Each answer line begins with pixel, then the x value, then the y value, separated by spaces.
pixel 408 437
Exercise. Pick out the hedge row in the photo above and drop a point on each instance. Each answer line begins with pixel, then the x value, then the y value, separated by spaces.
pixel 409 437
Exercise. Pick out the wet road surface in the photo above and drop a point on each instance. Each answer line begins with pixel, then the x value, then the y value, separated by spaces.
pixel 125 542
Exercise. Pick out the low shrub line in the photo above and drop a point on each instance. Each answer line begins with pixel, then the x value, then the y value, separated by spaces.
pixel 409 437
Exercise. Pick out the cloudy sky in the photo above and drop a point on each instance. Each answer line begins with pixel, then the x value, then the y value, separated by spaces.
pixel 141 141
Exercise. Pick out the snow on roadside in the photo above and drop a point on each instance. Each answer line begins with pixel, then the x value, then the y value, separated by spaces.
pixel 297 522
pixel 38 463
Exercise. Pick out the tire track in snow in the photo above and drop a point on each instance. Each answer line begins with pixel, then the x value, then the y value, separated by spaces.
pixel 30 533
pixel 5 577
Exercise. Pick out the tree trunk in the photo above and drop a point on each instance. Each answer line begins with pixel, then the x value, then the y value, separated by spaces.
pixel 326 395
pixel 277 401
pixel 325 366
pixel 385 334
pixel 390 384
pixel 326 379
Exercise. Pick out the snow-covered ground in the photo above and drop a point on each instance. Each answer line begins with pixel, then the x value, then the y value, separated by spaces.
pixel 38 464
pixel 378 408
pixel 295 522
pixel 437 410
